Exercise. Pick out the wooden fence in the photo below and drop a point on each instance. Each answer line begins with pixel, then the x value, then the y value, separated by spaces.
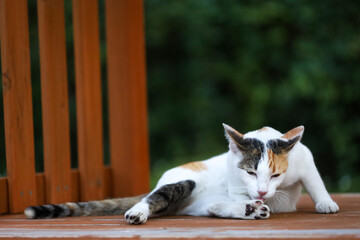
pixel 128 173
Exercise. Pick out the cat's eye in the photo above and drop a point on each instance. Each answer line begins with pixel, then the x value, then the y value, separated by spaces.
pixel 251 173
pixel 275 175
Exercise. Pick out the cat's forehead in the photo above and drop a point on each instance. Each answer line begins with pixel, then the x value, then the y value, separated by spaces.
pixel 264 134
pixel 260 143
pixel 254 151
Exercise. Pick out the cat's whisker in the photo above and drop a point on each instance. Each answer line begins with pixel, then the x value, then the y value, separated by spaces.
pixel 287 194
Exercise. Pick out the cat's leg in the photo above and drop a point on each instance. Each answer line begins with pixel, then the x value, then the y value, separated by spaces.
pixel 285 199
pixel 251 209
pixel 314 185
pixel 164 199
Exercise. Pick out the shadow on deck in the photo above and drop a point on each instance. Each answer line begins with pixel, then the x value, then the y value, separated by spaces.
pixel 305 223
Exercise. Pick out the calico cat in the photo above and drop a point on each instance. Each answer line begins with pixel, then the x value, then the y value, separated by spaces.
pixel 262 172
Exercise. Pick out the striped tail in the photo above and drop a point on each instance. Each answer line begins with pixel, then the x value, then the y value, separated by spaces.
pixel 94 208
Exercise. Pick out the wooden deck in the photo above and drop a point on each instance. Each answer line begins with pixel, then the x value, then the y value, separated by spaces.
pixel 304 223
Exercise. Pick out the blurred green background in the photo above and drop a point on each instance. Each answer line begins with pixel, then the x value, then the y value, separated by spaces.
pixel 249 64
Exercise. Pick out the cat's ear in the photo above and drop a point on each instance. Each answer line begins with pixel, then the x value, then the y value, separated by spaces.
pixel 234 138
pixel 293 136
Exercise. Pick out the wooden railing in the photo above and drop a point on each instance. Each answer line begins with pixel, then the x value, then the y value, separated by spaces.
pixel 128 173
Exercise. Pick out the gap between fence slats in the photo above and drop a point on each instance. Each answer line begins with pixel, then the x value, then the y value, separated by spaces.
pixel 55 106
pixel 18 115
pixel 127 96
pixel 88 98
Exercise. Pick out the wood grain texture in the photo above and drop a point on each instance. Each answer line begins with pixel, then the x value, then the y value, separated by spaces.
pixel 18 115
pixel 302 224
pixel 88 98
pixel 55 106
pixel 40 189
pixel 75 186
pixel 108 184
pixel 4 203
pixel 129 148
pixel 75 190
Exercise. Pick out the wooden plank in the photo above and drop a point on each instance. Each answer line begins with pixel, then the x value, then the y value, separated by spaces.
pixel 129 148
pixel 302 224
pixel 108 182
pixel 75 195
pixel 40 188
pixel 55 106
pixel 75 186
pixel 4 203
pixel 18 115
pixel 88 98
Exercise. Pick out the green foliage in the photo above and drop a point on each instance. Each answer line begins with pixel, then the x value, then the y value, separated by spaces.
pixel 255 63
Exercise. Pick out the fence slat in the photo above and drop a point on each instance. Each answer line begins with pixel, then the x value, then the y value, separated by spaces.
pixel 55 106
pixel 88 98
pixel 127 97
pixel 40 188
pixel 18 116
pixel 4 203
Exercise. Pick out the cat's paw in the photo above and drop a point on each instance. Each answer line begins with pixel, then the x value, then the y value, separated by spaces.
pixel 255 209
pixel 327 207
pixel 138 214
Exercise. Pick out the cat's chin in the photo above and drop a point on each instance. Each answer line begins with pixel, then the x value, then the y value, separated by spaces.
pixel 260 198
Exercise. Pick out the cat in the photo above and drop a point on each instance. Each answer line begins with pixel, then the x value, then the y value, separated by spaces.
pixel 263 172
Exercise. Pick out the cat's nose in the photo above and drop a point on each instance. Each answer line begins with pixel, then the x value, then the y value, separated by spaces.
pixel 262 193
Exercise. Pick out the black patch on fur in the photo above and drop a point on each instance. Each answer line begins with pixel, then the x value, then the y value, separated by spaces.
pixel 41 212
pixel 81 205
pixel 57 211
pixel 252 150
pixel 249 209
pixel 47 211
pixel 71 212
pixel 169 196
pixel 279 146
pixel 248 144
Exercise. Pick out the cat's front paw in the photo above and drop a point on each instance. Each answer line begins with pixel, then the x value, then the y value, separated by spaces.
pixel 327 207
pixel 255 209
pixel 138 214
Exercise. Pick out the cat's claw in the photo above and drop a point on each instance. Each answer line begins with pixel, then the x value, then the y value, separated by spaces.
pixel 327 207
pixel 137 214
pixel 256 209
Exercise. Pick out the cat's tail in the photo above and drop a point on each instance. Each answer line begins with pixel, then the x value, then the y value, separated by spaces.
pixel 76 209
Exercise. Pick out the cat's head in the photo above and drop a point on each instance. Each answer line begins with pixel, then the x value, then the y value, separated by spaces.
pixel 261 158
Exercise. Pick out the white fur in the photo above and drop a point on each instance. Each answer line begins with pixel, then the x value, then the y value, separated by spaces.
pixel 223 189
pixel 140 211
pixel 30 213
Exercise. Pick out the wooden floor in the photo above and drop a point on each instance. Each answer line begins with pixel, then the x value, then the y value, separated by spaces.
pixel 304 223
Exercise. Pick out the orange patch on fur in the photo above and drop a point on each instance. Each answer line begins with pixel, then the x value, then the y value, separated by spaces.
pixel 277 162
pixel 292 133
pixel 263 129
pixel 195 166
pixel 71 206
